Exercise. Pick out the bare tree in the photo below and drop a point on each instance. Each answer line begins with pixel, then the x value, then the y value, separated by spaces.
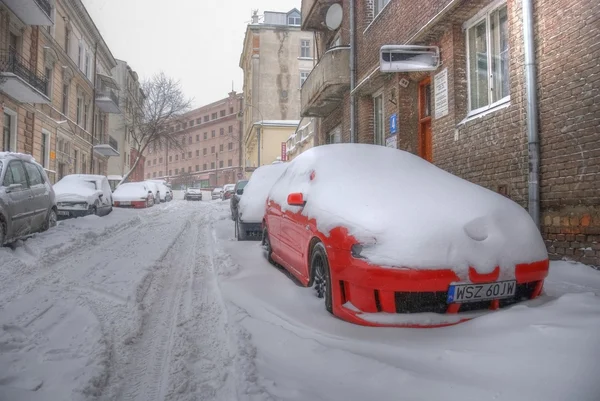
pixel 164 106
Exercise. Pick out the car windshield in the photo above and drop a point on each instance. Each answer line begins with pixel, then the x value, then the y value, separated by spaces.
pixel 300 200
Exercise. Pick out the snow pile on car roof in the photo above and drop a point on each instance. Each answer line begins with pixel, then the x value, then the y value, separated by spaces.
pixel 253 203
pixel 22 156
pixel 77 188
pixel 409 213
pixel 131 191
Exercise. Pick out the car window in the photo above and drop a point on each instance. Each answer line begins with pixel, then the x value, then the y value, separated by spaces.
pixel 34 174
pixel 241 185
pixel 91 184
pixel 15 174
pixel 42 174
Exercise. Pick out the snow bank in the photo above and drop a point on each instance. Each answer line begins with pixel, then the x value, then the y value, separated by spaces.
pixel 77 188
pixel 131 191
pixel 253 202
pixel 408 212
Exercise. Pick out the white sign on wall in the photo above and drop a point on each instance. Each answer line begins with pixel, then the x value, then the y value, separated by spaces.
pixel 441 93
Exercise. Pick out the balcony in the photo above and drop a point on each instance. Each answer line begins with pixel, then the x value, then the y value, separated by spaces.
pixel 32 12
pixel 21 82
pixel 313 14
pixel 324 88
pixel 107 101
pixel 106 146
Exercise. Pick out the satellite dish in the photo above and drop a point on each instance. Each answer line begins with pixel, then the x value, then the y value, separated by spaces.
pixel 333 19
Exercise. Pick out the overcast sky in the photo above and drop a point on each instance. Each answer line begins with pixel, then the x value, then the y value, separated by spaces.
pixel 195 41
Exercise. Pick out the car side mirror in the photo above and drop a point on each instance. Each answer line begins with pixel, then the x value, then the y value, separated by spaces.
pixel 296 199
pixel 240 192
pixel 13 187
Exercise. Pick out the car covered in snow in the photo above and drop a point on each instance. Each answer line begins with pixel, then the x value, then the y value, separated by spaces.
pixel 83 194
pixel 27 200
pixel 155 190
pixel 217 193
pixel 192 194
pixel 228 191
pixel 435 250
pixel 166 194
pixel 133 194
pixel 238 191
pixel 251 210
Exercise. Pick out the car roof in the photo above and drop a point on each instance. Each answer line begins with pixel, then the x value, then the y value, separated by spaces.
pixel 86 176
pixel 19 156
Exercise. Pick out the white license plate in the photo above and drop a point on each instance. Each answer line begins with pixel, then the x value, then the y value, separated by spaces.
pixel 460 293
pixel 126 203
pixel 63 213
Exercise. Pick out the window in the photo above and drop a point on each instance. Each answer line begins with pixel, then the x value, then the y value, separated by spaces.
pixel 15 174
pixel 75 160
pixel 48 75
pixel 206 135
pixel 335 135
pixel 79 115
pixel 305 48
pixel 231 110
pixel 87 64
pixel 230 129
pixel 220 163
pixel 205 119
pixel 229 163
pixel 9 131
pixel 65 99
pixel 198 138
pixel 197 167
pixel 222 113
pixel 189 169
pixel 212 133
pixel 213 116
pixel 35 178
pixel 80 56
pixel 170 159
pixel 378 123
pixel 160 160
pixel 204 151
pixel 67 39
pixel 378 5
pixel 198 120
pixel 294 19
pixel 230 146
pixel 222 131
pixel 303 76
pixel 487 47
pixel 197 152
pixel 212 149
pixel 189 155
pixel 176 157
pixel 190 140
pixel 212 165
pixel 86 110
pixel 220 147
pixel 45 149
pixel 204 166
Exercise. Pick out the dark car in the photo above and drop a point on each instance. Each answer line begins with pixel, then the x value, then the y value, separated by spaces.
pixel 235 198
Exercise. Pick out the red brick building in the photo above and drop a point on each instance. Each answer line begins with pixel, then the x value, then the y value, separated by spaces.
pixel 469 115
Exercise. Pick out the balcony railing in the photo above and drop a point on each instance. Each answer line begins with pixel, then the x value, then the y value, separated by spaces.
pixel 11 61
pixel 324 88
pixel 107 100
pixel 31 12
pixel 110 94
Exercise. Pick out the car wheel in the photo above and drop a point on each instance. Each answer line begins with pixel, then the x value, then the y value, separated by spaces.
pixel 321 275
pixel 50 220
pixel 266 242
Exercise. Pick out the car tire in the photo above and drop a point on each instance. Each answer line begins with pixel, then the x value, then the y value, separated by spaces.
pixel 51 219
pixel 266 243
pixel 319 267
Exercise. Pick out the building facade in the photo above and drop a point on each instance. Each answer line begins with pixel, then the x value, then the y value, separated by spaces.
pixel 56 90
pixel 208 152
pixel 302 139
pixel 131 99
pixel 469 115
pixel 276 59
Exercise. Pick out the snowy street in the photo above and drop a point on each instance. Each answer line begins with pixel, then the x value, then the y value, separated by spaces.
pixel 164 304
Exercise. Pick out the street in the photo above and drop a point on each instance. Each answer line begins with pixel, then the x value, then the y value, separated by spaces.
pixel 164 304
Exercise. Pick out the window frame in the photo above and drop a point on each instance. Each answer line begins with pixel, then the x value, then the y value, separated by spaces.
pixel 45 148
pixel 14 120
pixel 484 14
pixel 302 81
pixel 308 48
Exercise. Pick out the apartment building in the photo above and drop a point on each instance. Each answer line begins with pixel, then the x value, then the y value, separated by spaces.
pixel 276 59
pixel 208 152
pixel 121 126
pixel 469 114
pixel 56 90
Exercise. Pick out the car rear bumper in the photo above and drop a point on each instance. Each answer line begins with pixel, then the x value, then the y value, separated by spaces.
pixel 69 213
pixel 375 296
pixel 251 231
pixel 133 204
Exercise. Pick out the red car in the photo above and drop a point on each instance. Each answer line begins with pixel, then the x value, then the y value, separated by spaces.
pixel 431 250
pixel 133 194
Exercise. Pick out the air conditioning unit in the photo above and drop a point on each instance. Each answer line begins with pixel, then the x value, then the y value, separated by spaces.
pixel 408 58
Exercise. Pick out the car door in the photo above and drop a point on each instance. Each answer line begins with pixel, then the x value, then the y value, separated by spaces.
pixel 19 198
pixel 294 231
pixel 39 200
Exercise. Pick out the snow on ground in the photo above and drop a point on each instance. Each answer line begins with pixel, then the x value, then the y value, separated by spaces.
pixel 164 304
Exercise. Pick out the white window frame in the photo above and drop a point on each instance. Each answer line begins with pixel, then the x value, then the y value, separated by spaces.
pixel 295 17
pixel 303 80
pixel 13 128
pixel 46 157
pixel 483 14
pixel 302 47
pixel 376 95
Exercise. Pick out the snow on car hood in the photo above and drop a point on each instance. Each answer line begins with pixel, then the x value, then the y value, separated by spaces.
pixel 408 212
pixel 252 205
pixel 72 190
pixel 131 191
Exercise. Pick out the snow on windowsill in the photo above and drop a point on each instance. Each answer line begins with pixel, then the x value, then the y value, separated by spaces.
pixel 475 115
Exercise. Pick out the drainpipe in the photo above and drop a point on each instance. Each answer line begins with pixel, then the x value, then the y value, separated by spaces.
pixel 258 140
pixel 532 113
pixel 352 74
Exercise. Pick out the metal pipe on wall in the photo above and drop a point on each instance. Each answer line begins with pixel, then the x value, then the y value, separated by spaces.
pixel 533 142
pixel 352 73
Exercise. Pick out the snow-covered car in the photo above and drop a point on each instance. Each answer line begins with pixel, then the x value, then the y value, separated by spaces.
pixel 27 201
pixel 251 209
pixel 166 194
pixel 133 194
pixel 192 194
pixel 155 190
pixel 217 193
pixel 228 191
pixel 434 243
pixel 83 194
pixel 238 191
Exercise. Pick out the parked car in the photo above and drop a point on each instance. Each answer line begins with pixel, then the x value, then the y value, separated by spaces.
pixel 133 194
pixel 235 198
pixel 192 194
pixel 217 193
pixel 166 194
pixel 251 208
pixel 228 191
pixel 434 243
pixel 155 190
pixel 27 201
pixel 83 194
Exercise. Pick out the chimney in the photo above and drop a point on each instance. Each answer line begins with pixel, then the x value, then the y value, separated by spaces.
pixel 255 16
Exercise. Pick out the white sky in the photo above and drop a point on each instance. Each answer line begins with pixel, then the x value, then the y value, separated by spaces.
pixel 195 41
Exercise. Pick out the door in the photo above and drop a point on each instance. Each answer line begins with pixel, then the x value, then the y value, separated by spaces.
pixel 39 201
pixel 19 199
pixel 295 234
pixel 425 143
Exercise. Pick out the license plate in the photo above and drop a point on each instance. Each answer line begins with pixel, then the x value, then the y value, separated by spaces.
pixel 126 203
pixel 63 213
pixel 460 293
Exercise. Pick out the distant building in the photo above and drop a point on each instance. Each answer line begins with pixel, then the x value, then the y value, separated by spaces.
pixel 273 138
pixel 211 137
pixel 277 57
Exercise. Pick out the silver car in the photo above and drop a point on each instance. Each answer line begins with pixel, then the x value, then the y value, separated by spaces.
pixel 27 203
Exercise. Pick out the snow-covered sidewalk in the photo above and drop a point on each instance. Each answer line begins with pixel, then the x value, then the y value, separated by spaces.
pixel 164 304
